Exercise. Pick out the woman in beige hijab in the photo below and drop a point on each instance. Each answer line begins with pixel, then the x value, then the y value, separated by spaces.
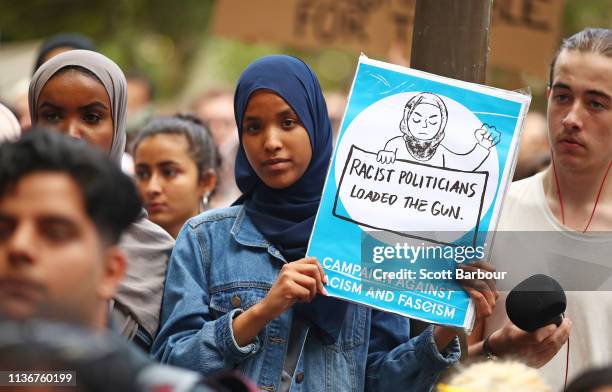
pixel 83 94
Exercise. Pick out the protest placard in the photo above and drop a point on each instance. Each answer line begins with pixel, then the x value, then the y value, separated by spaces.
pixel 518 27
pixel 415 185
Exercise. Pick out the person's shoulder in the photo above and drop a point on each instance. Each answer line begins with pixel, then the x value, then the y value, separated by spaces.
pixel 527 188
pixel 145 227
pixel 523 203
pixel 144 231
pixel 226 215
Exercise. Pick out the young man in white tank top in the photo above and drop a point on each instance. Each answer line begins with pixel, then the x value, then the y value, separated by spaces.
pixel 571 201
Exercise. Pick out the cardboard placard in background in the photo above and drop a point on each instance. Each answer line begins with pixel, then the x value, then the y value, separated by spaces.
pixel 524 33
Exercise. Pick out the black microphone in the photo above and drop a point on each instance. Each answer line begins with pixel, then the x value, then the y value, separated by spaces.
pixel 535 302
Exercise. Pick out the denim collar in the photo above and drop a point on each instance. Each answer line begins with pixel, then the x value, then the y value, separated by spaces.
pixel 245 233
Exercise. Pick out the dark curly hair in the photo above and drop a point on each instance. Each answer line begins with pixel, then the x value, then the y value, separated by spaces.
pixel 110 197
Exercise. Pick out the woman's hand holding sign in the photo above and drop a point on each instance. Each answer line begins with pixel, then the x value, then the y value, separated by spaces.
pixel 298 281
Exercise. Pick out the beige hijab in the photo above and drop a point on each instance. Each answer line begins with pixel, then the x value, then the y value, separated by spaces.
pixel 107 72
pixel 147 246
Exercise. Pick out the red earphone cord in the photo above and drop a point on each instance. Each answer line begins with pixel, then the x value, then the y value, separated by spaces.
pixel 561 199
pixel 584 231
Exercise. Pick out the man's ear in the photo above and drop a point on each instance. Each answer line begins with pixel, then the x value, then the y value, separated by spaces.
pixel 115 264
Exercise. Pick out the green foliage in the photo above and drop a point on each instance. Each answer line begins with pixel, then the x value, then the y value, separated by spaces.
pixel 586 13
pixel 158 37
pixel 170 40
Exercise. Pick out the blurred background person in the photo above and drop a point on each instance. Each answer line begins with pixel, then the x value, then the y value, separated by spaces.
pixel 19 103
pixel 534 149
pixel 495 376
pixel 84 95
pixel 336 103
pixel 61 43
pixel 215 108
pixel 593 380
pixel 9 126
pixel 140 108
pixel 175 168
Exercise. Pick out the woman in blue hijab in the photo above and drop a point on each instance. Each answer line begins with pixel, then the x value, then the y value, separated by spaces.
pixel 286 216
pixel 240 292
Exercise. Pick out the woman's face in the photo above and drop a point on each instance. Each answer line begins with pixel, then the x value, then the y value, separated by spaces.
pixel 168 180
pixel 424 122
pixel 276 143
pixel 78 105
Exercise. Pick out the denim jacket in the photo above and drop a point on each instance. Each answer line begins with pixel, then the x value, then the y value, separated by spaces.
pixel 221 265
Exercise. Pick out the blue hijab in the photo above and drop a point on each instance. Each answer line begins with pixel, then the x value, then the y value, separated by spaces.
pixel 286 216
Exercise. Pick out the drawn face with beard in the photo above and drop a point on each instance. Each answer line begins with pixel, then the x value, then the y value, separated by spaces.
pixel 423 124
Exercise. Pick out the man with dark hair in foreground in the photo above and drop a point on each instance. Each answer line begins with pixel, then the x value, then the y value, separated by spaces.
pixel 63 208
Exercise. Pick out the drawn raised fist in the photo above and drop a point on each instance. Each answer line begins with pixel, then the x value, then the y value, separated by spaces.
pixel 384 156
pixel 487 136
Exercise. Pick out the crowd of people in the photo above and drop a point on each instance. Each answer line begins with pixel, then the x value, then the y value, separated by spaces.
pixel 170 251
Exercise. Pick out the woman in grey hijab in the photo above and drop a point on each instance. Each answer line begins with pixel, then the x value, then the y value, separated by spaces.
pixel 84 94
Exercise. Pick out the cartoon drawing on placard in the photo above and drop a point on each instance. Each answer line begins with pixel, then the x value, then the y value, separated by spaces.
pixel 439 171
pixel 423 130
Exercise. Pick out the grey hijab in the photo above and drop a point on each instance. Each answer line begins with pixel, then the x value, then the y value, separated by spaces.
pixel 146 245
pixel 107 72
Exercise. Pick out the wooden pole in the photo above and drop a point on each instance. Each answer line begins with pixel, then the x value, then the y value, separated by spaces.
pixel 451 38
